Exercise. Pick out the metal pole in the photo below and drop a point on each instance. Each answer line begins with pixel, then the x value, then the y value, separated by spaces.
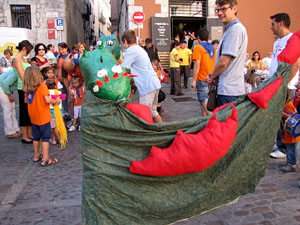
pixel 138 33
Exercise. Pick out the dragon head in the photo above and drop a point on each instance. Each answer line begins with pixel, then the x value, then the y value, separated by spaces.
pixel 103 75
pixel 112 43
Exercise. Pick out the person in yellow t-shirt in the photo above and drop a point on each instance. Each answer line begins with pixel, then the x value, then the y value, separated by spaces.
pixel 204 57
pixel 175 70
pixel 256 63
pixel 185 54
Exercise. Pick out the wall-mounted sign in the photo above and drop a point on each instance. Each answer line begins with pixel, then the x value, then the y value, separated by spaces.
pixel 51 34
pixel 161 33
pixel 138 17
pixel 59 24
pixel 52 14
pixel 51 23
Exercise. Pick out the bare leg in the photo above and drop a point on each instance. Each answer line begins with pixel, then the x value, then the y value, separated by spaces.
pixel 45 148
pixel 157 119
pixel 71 104
pixel 29 132
pixel 25 134
pixel 204 110
pixel 74 122
pixel 55 135
pixel 36 148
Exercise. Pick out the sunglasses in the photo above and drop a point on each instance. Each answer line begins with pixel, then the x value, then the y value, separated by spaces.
pixel 41 49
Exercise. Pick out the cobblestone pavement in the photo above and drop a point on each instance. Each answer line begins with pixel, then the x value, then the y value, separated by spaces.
pixel 31 194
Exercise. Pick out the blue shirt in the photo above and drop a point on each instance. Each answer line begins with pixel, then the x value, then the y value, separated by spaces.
pixel 234 43
pixel 137 60
pixel 9 81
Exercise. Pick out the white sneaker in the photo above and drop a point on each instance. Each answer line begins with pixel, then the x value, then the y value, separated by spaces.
pixel 277 154
pixel 72 128
pixel 79 128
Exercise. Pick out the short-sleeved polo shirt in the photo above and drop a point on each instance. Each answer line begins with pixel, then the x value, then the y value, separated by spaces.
pixel 234 43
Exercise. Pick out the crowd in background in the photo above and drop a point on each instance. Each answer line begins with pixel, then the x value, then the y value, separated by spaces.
pixel 51 91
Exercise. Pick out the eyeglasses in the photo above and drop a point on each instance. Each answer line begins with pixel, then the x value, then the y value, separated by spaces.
pixel 41 49
pixel 223 10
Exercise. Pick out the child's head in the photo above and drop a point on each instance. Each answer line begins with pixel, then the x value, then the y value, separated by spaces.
pixel 32 79
pixel 75 48
pixel 250 77
pixel 76 81
pixel 51 84
pixel 155 64
pixel 48 72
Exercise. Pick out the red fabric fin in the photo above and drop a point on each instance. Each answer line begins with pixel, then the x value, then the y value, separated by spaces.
pixel 291 52
pixel 221 107
pixel 106 78
pixel 99 83
pixel 262 97
pixel 131 75
pixel 190 152
pixel 142 111
pixel 116 76
pixel 125 74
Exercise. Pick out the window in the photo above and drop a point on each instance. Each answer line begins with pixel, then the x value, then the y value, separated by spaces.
pixel 21 16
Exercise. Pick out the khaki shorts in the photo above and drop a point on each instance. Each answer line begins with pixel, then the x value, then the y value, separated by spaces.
pixel 151 101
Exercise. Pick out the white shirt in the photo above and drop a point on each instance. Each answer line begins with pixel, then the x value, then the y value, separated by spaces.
pixel 267 61
pixel 279 45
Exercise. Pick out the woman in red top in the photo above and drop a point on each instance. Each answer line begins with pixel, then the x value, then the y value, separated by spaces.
pixel 40 52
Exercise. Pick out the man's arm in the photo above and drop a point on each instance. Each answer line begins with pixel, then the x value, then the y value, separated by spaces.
pixel 221 65
pixel 195 72
pixel 190 59
pixel 294 69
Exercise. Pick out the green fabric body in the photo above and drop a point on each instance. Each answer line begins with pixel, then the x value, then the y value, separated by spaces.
pixel 112 137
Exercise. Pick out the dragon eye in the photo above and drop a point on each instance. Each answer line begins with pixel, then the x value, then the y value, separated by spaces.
pixel 99 43
pixel 101 59
pixel 110 43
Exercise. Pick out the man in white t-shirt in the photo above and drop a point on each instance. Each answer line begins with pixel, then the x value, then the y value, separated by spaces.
pixel 267 60
pixel 280 27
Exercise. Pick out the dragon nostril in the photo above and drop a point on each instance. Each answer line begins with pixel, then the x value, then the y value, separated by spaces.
pixel 101 59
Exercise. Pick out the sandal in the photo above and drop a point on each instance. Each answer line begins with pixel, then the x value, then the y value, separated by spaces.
pixel 52 142
pixel 37 159
pixel 49 161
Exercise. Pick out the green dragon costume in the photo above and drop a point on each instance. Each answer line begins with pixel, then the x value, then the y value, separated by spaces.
pixel 131 170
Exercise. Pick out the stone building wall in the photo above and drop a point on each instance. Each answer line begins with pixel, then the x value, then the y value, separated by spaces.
pixel 75 13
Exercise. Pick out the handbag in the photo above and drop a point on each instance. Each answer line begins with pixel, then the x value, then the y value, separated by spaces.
pixel 212 95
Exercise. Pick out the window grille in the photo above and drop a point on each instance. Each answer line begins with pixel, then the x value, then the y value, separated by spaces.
pixel 186 8
pixel 21 16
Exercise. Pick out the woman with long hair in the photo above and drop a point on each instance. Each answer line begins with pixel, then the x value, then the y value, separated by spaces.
pixel 256 63
pixel 20 64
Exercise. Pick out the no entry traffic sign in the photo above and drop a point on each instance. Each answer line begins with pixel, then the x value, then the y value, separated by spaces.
pixel 138 17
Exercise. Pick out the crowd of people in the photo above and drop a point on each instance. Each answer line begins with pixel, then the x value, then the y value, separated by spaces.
pixel 43 82
pixel 225 64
